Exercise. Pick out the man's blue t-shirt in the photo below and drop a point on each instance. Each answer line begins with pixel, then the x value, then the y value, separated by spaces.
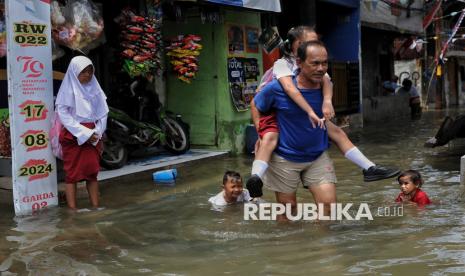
pixel 299 141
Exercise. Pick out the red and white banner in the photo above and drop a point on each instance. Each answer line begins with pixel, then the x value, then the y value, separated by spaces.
pixel 431 13
pixel 454 31
pixel 30 99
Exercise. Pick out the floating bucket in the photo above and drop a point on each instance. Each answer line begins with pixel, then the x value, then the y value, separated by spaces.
pixel 165 176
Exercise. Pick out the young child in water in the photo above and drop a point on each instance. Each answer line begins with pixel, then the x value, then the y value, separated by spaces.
pixel 410 183
pixel 232 192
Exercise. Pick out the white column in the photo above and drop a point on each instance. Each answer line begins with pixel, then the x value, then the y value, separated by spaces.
pixel 462 178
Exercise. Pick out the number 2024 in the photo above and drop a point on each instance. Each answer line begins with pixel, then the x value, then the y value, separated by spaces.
pixel 39 169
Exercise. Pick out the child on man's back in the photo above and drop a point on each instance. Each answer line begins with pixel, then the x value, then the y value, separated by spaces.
pixel 233 191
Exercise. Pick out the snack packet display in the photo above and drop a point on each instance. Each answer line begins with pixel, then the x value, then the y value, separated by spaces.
pixel 140 42
pixel 183 53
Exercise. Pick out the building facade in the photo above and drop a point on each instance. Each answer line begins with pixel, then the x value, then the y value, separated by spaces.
pixel 391 34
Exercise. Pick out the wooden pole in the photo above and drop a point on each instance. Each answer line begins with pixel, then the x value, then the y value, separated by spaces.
pixel 439 68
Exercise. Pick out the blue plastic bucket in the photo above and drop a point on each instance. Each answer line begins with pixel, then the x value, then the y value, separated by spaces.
pixel 165 176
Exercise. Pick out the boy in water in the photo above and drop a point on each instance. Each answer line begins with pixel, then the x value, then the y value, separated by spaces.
pixel 232 192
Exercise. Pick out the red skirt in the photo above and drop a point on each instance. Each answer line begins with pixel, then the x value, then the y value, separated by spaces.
pixel 267 123
pixel 80 162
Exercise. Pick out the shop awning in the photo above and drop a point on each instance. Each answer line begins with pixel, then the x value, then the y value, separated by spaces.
pixel 265 5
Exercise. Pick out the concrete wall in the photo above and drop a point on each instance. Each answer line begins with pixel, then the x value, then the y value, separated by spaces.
pixel 454 84
pixel 461 83
pixel 377 60
pixel 231 124
pixel 378 109
pixel 412 68
pixel 380 13
pixel 196 102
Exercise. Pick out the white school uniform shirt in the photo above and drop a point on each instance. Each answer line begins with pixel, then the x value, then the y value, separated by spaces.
pixel 72 123
pixel 218 200
pixel 81 103
pixel 286 67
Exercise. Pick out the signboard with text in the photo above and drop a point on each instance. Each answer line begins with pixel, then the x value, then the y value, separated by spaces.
pixel 242 76
pixel 30 100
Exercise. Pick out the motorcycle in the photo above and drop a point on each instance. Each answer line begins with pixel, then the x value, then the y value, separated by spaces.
pixel 159 129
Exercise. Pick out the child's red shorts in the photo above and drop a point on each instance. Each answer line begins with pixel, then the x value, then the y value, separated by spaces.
pixel 267 123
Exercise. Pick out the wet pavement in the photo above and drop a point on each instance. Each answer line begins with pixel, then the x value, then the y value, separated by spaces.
pixel 172 230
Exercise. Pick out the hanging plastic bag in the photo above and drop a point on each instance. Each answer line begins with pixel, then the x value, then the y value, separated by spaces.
pixel 83 26
pixel 269 39
pixel 57 52
pixel 56 12
pixel 266 78
pixel 54 135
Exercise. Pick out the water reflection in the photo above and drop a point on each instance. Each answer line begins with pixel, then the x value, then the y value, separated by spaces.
pixel 37 239
pixel 148 229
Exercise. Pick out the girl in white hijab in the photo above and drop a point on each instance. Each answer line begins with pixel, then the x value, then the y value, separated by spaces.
pixel 82 109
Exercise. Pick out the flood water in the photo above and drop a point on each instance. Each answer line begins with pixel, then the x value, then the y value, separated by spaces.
pixel 152 230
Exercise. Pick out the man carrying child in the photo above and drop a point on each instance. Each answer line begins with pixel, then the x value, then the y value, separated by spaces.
pixel 300 156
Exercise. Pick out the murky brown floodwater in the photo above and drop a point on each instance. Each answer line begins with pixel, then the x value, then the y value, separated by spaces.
pixel 153 230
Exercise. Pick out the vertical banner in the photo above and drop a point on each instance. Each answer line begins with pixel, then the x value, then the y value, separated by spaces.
pixel 30 99
pixel 431 13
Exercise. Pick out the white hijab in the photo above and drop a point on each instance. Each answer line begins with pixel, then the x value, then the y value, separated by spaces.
pixel 88 100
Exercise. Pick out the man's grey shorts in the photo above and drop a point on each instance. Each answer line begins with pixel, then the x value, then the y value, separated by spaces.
pixel 285 176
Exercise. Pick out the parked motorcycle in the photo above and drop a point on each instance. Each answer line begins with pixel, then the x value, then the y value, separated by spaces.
pixel 125 135
pixel 154 128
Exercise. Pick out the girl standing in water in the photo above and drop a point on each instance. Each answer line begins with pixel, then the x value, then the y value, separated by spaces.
pixel 82 109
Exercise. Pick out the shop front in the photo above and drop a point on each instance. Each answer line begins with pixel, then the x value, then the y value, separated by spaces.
pixel 210 85
pixel 213 105
pixel 192 82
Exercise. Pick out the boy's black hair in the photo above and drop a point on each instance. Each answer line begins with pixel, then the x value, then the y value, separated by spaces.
pixel 414 175
pixel 302 50
pixel 294 33
pixel 233 175
pixel 407 83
